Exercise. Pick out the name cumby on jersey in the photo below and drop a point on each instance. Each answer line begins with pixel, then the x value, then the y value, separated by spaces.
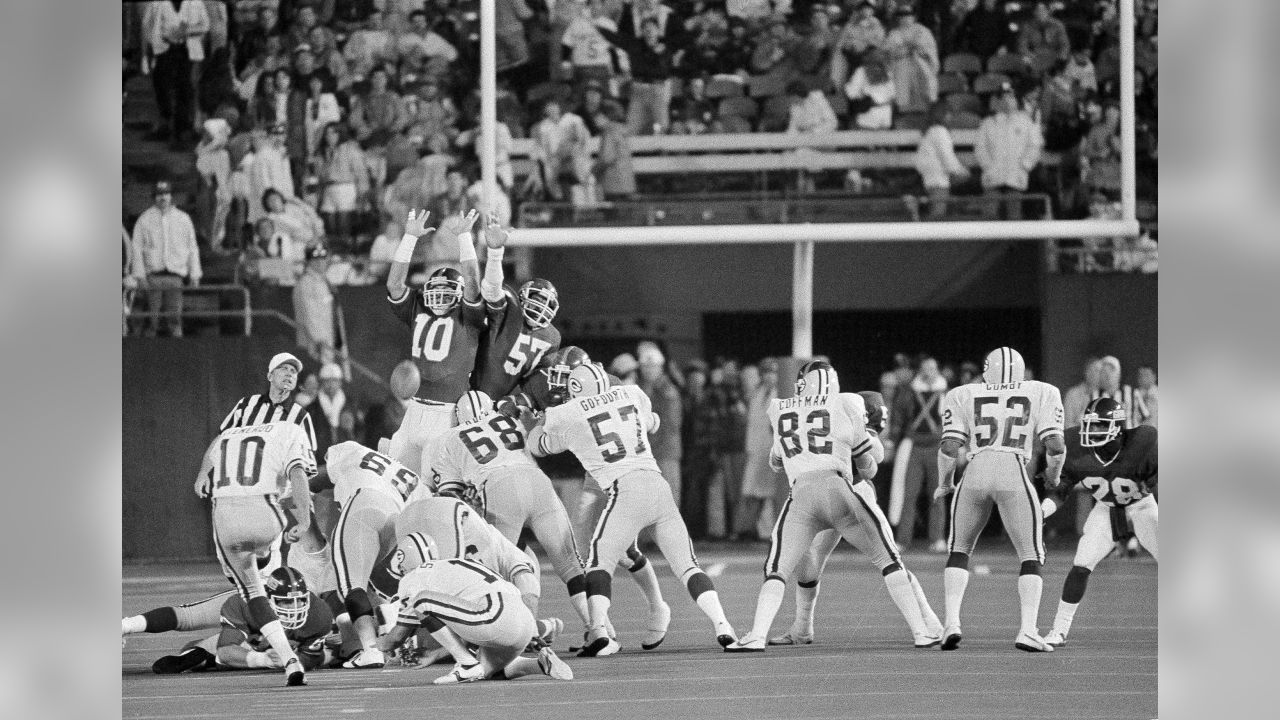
pixel 606 432
pixel 510 352
pixel 471 452
pixel 463 579
pixel 1125 480
pixel 819 433
pixel 256 460
pixel 1003 417
pixel 444 348
pixel 353 466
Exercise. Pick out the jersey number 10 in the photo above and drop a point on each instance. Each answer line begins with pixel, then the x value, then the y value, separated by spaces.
pixel 242 461
pixel 432 337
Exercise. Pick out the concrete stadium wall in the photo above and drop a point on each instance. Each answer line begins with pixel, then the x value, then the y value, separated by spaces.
pixel 1087 315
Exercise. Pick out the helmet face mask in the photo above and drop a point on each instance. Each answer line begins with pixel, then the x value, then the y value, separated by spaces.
pixel 1101 422
pixel 563 363
pixel 539 303
pixel 289 597
pixel 442 291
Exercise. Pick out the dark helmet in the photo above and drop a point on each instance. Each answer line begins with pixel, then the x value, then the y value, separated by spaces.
pixel 1102 421
pixel 539 302
pixel 562 362
pixel 289 597
pixel 443 291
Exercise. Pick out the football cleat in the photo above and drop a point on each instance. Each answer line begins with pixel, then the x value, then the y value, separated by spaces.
pixel 745 645
pixel 951 638
pixel 552 666
pixel 599 644
pixel 656 628
pixel 1031 643
pixel 367 659
pixel 190 659
pixel 573 648
pixel 293 675
pixel 461 674
pixel 725 635
pixel 792 637
pixel 555 627
pixel 1055 639
pixel 928 640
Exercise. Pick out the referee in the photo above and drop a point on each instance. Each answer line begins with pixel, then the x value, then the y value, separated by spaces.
pixel 277 404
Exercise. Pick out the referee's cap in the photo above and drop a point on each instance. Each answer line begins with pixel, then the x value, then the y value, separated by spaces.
pixel 284 359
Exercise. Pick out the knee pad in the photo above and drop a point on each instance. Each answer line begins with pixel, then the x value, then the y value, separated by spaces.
pixel 577 584
pixel 958 560
pixel 331 599
pixel 1030 567
pixel 358 605
pixel 699 583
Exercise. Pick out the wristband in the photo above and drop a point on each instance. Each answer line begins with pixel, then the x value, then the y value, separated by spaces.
pixel 404 251
pixel 466 247
pixel 495 255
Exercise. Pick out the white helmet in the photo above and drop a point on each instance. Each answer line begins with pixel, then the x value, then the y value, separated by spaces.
pixel 1003 365
pixel 412 552
pixel 588 379
pixel 473 405
pixel 817 377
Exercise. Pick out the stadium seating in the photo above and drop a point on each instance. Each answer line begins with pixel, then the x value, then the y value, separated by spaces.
pixel 966 63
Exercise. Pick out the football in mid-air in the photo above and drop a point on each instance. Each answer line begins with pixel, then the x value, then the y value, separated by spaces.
pixel 405 380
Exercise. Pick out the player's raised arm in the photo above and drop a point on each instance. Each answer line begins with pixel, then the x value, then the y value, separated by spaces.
pixel 414 227
pixel 467 257
pixel 495 237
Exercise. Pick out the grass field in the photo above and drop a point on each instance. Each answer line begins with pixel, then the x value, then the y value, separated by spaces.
pixel 861 664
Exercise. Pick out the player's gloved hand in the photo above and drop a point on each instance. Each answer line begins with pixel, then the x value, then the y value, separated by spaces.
pixel 1048 506
pixel 1052 483
pixel 204 484
pixel 508 406
pixel 295 533
pixel 417 223
pixel 943 490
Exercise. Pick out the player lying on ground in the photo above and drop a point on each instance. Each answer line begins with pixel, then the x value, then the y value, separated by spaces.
pixel 996 421
pixel 460 602
pixel 809 572
pixel 605 429
pixel 818 435
pixel 548 388
pixel 241 644
pixel 1120 468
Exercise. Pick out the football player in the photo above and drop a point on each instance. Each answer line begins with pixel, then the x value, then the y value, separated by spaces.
pixel 997 422
pixel 448 319
pixel 520 332
pixel 809 572
pixel 488 451
pixel 1119 466
pixel 548 388
pixel 371 489
pixel 252 466
pixel 241 644
pixel 820 440
pixel 605 429
pixel 461 601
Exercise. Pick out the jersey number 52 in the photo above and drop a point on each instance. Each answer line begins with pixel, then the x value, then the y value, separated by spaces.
pixel 1015 420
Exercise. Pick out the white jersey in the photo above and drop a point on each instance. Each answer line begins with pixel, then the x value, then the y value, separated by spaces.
pixel 1002 417
pixel 256 459
pixel 498 553
pixel 819 433
pixel 353 466
pixel 462 579
pixel 470 453
pixel 606 432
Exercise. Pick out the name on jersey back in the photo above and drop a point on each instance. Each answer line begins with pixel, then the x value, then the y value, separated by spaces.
pixel 601 400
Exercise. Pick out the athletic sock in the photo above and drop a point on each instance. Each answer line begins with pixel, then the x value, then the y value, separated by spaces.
pixel 926 610
pixel 806 600
pixel 767 604
pixel 647 579
pixel 579 603
pixel 520 667
pixel 599 611
pixel 899 584
pixel 954 582
pixel 1066 613
pixel 1029 588
pixel 131 625
pixel 274 633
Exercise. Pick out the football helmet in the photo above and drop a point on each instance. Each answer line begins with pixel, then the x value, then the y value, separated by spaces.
pixel 287 592
pixel 1102 421
pixel 588 379
pixel 412 552
pixel 817 377
pixel 1003 365
pixel 539 302
pixel 561 363
pixel 443 291
pixel 473 405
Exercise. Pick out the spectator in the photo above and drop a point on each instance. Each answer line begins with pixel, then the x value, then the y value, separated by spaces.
pixel 256 73
pixel 773 48
pixel 334 414
pixel 304 21
pixel 810 113
pixel 1044 35
pixel 321 110
pixel 375 115
pixel 174 32
pixel 937 163
pixel 344 181
pixel 913 56
pixel 384 246
pixel 626 368
pixel 813 53
pixel 418 185
pixel 453 201
pixel 248 270
pixel 759 481
pixel 985 30
pixel 502 151
pixel 697 461
pixel 616 176
pixel 871 94
pixel 267 168
pixel 591 56
pixel 328 57
pixel 213 163
pixel 862 34
pixel 695 114
pixel 665 443
pixel 1080 72
pixel 313 306
pixel 252 40
pixel 295 219
pixel 916 420
pixel 165 257
pixel 512 46
pixel 372 46
pixel 707 44
pixel 1100 154
pixel 652 56
pixel 420 44
pixel 1147 396
pixel 430 113
pixel 1059 110
pixel 757 10
pixel 592 102
pixel 561 150
pixel 730 428
pixel 350 16
pixel 1077 397
pixel 1007 149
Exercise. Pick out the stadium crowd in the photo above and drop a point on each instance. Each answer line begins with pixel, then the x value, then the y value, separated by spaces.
pixel 320 120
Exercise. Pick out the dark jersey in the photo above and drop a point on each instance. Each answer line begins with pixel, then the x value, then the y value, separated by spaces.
pixel 1126 479
pixel 444 348
pixel 238 626
pixel 509 351
pixel 877 411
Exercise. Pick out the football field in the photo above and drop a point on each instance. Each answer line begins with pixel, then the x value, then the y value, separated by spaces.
pixel 861 664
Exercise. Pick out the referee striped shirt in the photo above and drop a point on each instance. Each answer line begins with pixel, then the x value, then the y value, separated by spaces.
pixel 258 409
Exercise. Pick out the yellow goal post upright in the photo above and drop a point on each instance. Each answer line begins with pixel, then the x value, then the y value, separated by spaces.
pixel 803 236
